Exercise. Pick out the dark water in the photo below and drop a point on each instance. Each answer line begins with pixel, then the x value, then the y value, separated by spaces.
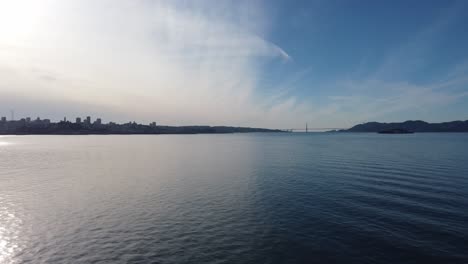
pixel 242 198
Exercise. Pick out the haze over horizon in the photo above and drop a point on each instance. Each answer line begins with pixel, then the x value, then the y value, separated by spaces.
pixel 275 64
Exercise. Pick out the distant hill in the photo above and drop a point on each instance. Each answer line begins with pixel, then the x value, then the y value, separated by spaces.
pixel 413 126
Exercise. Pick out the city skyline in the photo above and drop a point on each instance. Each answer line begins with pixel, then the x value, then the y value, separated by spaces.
pixel 274 64
pixel 88 126
pixel 77 120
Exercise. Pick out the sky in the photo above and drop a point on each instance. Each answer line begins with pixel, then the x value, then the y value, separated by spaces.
pixel 274 64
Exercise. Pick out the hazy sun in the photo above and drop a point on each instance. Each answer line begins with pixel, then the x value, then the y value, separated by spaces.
pixel 20 19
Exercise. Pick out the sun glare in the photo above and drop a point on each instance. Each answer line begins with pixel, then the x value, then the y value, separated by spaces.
pixel 19 19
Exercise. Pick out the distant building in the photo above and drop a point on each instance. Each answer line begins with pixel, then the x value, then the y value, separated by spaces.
pixel 28 119
pixel 153 124
pixel 3 119
pixel 98 121
pixel 78 120
pixel 88 120
pixel 38 119
pixel 65 119
pixel 46 121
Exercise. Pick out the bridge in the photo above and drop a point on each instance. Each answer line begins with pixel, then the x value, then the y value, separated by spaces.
pixel 314 129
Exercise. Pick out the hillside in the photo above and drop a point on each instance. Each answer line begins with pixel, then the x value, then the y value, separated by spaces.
pixel 414 126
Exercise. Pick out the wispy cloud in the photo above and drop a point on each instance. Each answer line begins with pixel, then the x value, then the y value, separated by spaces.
pixel 170 61
pixel 198 62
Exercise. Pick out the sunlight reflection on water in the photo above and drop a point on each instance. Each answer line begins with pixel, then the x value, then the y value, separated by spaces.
pixel 10 226
pixel 3 142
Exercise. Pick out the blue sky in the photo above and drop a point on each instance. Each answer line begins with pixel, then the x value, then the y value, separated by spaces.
pixel 256 63
pixel 379 50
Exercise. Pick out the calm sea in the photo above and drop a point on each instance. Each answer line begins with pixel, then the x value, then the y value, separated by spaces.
pixel 236 198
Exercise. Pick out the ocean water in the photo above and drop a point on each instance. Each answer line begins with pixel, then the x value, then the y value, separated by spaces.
pixel 235 198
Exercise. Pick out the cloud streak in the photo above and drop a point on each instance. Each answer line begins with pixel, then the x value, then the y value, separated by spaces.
pixel 159 60
pixel 198 62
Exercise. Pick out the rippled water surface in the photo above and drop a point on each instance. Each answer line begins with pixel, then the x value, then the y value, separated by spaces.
pixel 240 198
